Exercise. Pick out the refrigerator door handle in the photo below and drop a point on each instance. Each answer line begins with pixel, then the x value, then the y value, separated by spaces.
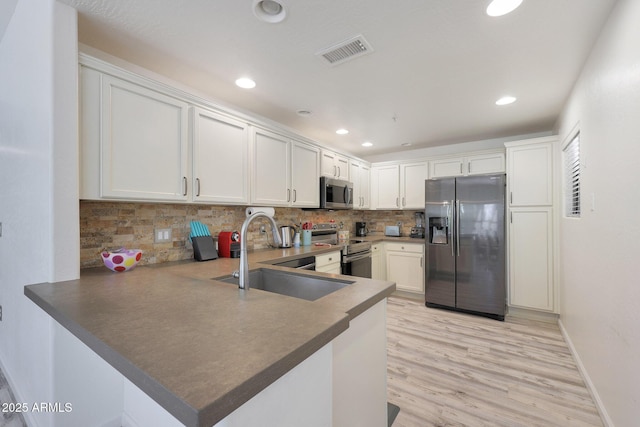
pixel 450 219
pixel 458 227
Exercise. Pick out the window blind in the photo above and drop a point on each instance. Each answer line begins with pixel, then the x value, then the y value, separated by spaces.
pixel 572 177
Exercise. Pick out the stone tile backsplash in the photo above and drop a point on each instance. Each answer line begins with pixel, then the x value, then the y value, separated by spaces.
pixel 116 224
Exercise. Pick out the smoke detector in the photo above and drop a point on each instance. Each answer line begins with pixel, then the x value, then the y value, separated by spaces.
pixel 346 50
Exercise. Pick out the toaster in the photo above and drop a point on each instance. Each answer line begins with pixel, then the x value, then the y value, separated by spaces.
pixel 229 244
pixel 392 230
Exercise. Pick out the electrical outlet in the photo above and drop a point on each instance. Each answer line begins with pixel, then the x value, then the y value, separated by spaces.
pixel 162 235
pixel 263 229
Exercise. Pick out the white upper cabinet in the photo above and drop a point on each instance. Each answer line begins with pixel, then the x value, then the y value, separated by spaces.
pixel 468 165
pixel 305 175
pixel 399 186
pixel 143 142
pixel 412 178
pixel 334 165
pixel 447 167
pixel 286 172
pixel 385 187
pixel 220 158
pixel 530 174
pixel 272 175
pixel 360 175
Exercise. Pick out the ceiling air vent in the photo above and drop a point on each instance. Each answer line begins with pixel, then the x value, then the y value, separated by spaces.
pixel 348 49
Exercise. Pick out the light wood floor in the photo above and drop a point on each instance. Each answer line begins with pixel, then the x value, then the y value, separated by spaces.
pixel 452 369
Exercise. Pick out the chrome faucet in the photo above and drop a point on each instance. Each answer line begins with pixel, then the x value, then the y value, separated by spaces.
pixel 243 273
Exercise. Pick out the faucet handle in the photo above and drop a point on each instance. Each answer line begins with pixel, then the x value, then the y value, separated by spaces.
pixel 235 274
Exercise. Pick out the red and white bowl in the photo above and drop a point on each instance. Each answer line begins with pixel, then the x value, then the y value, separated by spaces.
pixel 121 259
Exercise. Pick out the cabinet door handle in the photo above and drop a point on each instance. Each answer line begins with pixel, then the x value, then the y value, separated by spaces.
pixel 198 186
pixel 460 168
pixel 468 167
pixel 184 185
pixel 295 196
pixel 397 201
pixel 511 217
pixel 404 202
pixel 339 172
pixel 335 170
pixel 420 262
pixel 288 194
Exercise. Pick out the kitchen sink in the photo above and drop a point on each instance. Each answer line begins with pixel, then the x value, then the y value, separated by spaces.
pixel 291 284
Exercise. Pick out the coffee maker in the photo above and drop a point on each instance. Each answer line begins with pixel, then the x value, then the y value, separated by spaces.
pixel 417 231
pixel 361 229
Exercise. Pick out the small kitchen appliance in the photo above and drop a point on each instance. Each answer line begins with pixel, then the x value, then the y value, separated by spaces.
pixel 417 231
pixel 361 229
pixel 286 234
pixel 229 244
pixel 335 193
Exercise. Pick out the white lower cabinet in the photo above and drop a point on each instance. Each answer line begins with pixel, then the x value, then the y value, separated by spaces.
pixel 405 266
pixel 530 258
pixel 378 262
pixel 328 263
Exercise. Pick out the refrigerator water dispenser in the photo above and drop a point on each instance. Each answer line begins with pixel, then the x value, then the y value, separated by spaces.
pixel 438 231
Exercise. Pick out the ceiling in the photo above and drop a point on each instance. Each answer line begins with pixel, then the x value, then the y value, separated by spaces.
pixel 436 69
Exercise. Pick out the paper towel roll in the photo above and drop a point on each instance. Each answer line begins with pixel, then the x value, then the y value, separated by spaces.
pixel 267 210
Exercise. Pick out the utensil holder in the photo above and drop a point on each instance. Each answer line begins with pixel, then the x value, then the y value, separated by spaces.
pixel 204 248
pixel 306 237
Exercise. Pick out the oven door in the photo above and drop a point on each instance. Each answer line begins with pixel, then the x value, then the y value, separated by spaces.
pixel 358 264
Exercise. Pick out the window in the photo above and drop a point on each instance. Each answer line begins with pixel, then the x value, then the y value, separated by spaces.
pixel 572 177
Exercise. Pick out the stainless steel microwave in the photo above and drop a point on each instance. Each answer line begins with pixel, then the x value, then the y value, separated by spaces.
pixel 335 193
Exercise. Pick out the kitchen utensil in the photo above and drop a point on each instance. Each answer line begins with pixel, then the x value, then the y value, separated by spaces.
pixel 306 237
pixel 121 259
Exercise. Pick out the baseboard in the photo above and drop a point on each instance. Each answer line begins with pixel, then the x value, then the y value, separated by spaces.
pixel 585 376
pixel 541 316
pixel 409 295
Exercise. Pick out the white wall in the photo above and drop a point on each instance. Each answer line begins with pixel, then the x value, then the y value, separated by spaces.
pixel 38 187
pixel 600 252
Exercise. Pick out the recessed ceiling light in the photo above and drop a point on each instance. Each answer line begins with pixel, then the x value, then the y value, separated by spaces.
pixel 270 11
pixel 303 113
pixel 245 83
pixel 367 144
pixel 342 131
pixel 506 100
pixel 502 7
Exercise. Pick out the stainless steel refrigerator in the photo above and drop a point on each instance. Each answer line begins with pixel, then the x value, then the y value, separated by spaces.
pixel 465 244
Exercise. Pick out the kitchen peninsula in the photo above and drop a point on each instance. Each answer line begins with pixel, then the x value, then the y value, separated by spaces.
pixel 202 349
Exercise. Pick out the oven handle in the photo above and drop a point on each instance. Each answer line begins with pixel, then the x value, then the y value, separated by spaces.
pixel 356 257
pixel 311 266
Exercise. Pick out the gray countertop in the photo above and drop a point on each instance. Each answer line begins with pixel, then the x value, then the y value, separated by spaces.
pixel 199 347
